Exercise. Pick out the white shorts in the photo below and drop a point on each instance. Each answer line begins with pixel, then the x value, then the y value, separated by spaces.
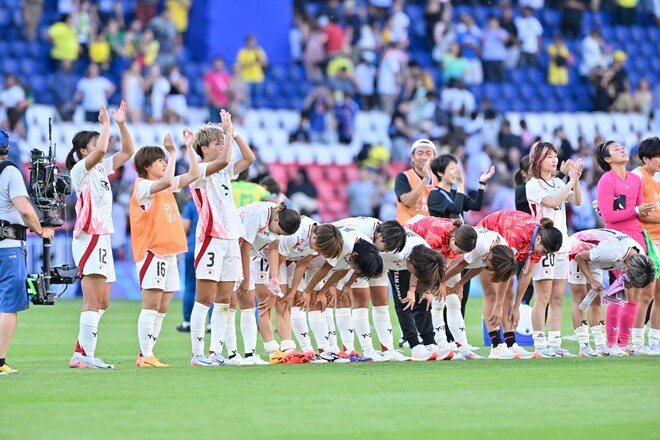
pixel 552 267
pixel 363 283
pixel 218 260
pixel 259 272
pixel 575 275
pixel 290 270
pixel 160 273
pixel 93 255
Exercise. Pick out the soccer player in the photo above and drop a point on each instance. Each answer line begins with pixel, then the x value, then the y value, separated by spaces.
pixel 217 251
pixel 264 223
pixel 157 236
pixel 390 237
pixel 92 252
pixel 451 238
pixel 591 252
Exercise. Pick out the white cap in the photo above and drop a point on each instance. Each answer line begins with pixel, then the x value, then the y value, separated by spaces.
pixel 422 143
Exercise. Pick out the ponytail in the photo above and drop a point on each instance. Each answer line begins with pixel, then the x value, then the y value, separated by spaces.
pixel 79 142
pixel 465 236
pixel 546 223
pixel 551 237
pixel 288 219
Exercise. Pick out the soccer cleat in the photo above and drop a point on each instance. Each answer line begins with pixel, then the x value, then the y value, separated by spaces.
pixel 344 355
pixel 562 352
pixel 277 357
pixel 183 327
pixel 520 352
pixel 421 353
pixel 544 353
pixel 654 349
pixel 255 359
pixel 376 356
pixel 444 354
pixel 199 360
pixel 642 350
pixel 469 354
pixel 218 359
pixel 458 356
pixel 617 351
pixel 151 361
pixel 138 360
pixel 318 360
pixel 501 352
pixel 587 351
pixel 237 360
pixel 80 361
pixel 453 346
pixel 6 370
pixel 354 356
pixel 329 356
pixel 394 356
pixel 602 350
pixel 295 357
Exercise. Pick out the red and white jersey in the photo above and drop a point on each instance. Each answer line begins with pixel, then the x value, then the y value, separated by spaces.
pixel 296 247
pixel 256 218
pixel 364 225
pixel 538 189
pixel 94 204
pixel 485 240
pixel 517 228
pixel 398 260
pixel 436 232
pixel 218 215
pixel 350 237
pixel 607 247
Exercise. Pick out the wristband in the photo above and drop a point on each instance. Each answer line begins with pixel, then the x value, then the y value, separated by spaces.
pixel 234 134
pixel 482 183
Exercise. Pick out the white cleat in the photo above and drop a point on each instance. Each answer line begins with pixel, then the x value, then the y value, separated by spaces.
pixel 562 352
pixel 394 356
pixel 617 351
pixel 544 353
pixel 587 351
pixel 501 352
pixel 602 350
pixel 199 360
pixel 458 356
pixel 453 346
pixel 469 354
pixel 220 359
pixel 80 361
pixel 255 360
pixel 520 352
pixel 421 353
pixel 642 350
pixel 334 358
pixel 375 356
pixel 654 349
pixel 445 353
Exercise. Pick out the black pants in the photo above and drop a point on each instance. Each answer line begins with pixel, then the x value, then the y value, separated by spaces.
pixel 571 22
pixel 412 322
pixel 464 300
pixel 493 71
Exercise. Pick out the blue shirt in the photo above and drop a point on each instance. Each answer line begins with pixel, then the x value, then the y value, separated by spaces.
pixel 190 213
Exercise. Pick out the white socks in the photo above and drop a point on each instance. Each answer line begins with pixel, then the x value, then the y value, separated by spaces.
pixel 87 335
pixel 654 337
pixel 288 345
pixel 249 331
pixel 554 339
pixel 198 327
pixel 271 347
pixel 320 329
pixel 230 334
pixel 383 325
pixel 600 339
pixel 540 341
pixel 218 326
pixel 363 329
pixel 456 321
pixel 582 335
pixel 637 337
pixel 332 331
pixel 300 329
pixel 346 331
pixel 437 315
pixel 145 330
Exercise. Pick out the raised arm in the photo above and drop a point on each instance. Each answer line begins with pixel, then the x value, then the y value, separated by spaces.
pixel 96 156
pixel 127 147
pixel 167 179
pixel 574 174
pixel 193 170
pixel 225 156
pixel 247 158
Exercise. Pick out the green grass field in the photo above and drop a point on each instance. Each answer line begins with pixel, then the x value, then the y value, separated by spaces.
pixel 564 398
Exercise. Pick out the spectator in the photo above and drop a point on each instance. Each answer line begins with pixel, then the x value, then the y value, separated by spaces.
pixel 63 86
pixel 148 49
pixel 334 36
pixel 176 105
pixel 565 148
pixel 274 190
pixel 339 62
pixel 401 133
pixel 643 98
pixel 346 110
pixel 454 66
pixel 400 24
pixel 317 106
pixel 132 39
pixel 245 192
pixel 314 54
pixel 493 52
pixel 132 89
pixel 520 179
pixel 458 101
pixel 239 93
pixel 365 76
pixel 369 42
pixel 302 134
pixel 216 88
pixel 329 9
pixel 32 10
pixel 531 4
pixel 508 140
pixel 115 36
pixel 529 32
pixel 390 78
pixel 12 99
pixel 560 59
pixel 302 193
pixel 145 10
pixel 468 36
pixel 527 138
pixel 296 36
pixel 65 40
pixel 100 52
pixel 165 33
pixel 513 44
pixel 343 82
pixel 571 20
pixel 624 102
pixel 594 58
pixel 626 12
pixel 362 195
pixel 353 24
pixel 443 32
pixel 86 24
pixel 179 12
pixel 92 92
pixel 110 10
pixel 252 60
pixel 435 118
pixel 159 88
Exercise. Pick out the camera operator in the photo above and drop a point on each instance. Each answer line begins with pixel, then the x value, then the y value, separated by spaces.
pixel 16 216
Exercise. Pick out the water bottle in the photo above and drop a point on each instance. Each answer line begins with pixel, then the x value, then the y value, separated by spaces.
pixel 586 302
pixel 274 287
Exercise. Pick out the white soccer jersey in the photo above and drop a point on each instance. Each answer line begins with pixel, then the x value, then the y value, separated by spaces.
pixel 537 190
pixel 94 204
pixel 485 240
pixel 364 225
pixel 255 218
pixel 607 247
pixel 350 237
pixel 218 215
pixel 295 247
pixel 397 261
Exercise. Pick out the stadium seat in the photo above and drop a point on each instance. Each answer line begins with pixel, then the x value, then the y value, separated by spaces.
pixel 10 66
pixel 27 67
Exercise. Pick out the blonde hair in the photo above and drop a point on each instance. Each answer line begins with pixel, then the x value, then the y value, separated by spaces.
pixel 206 135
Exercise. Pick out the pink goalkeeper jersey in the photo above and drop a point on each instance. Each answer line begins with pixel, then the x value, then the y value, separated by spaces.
pixel 94 204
